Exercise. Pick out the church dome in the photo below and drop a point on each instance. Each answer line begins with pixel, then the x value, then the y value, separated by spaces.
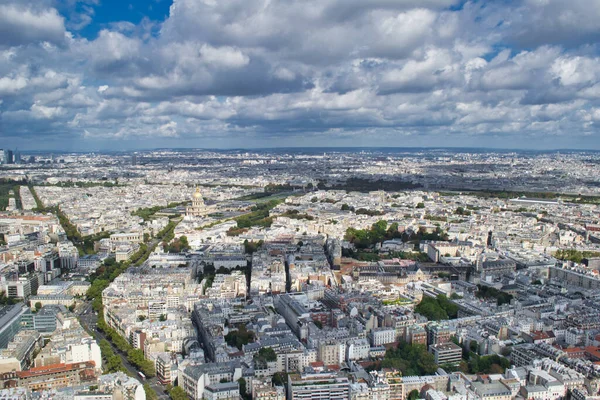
pixel 198 208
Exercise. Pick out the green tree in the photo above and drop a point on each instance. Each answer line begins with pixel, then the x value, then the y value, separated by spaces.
pixel 437 309
pixel 365 211
pixel 279 379
pixel 462 211
pixel 392 231
pixel 410 359
pixel 239 337
pixel 488 292
pixel 488 364
pixel 177 393
pixel 177 246
pixel 413 395
pixel 150 394
pixel 184 242
pixel 112 362
pixel 252 247
pixel 421 205
pixel 38 305
pixel 265 355
pixel 474 346
pixel 378 231
pixel 575 255
pixel 244 389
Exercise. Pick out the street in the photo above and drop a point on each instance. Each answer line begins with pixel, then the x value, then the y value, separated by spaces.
pixel 89 319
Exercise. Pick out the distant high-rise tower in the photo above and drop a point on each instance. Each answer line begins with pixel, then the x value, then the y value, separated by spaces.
pixel 17 157
pixel 134 159
pixel 489 239
pixel 8 157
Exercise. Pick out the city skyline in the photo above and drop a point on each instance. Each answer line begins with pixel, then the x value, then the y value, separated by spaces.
pixel 93 75
pixel 300 149
pixel 274 274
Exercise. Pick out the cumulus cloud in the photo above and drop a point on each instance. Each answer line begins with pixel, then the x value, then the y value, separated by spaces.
pixel 11 85
pixel 113 53
pixel 22 23
pixel 576 70
pixel 338 69
pixel 225 57
pixel 572 22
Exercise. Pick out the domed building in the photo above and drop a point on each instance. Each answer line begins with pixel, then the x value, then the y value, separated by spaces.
pixel 198 208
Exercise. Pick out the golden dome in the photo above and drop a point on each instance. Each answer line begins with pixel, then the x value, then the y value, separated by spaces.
pixel 197 194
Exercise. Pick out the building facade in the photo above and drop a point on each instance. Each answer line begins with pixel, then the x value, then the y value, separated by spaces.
pixel 318 386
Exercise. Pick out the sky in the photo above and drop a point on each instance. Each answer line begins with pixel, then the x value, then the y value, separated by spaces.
pixel 139 74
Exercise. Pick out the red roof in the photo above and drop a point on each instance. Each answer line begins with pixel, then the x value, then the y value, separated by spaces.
pixel 26 217
pixel 538 335
pixel 573 350
pixel 592 350
pixel 53 369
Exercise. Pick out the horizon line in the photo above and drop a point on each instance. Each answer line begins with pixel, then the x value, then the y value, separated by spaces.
pixel 379 148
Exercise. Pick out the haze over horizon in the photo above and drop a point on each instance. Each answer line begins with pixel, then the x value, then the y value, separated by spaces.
pixel 84 75
pixel 307 149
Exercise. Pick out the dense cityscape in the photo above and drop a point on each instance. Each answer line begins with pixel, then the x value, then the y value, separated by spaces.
pixel 300 273
pixel 299 200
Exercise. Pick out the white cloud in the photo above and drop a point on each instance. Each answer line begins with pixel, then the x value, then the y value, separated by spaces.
pixel 43 112
pixel 10 85
pixel 22 24
pixel 227 57
pixel 576 70
pixel 271 68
